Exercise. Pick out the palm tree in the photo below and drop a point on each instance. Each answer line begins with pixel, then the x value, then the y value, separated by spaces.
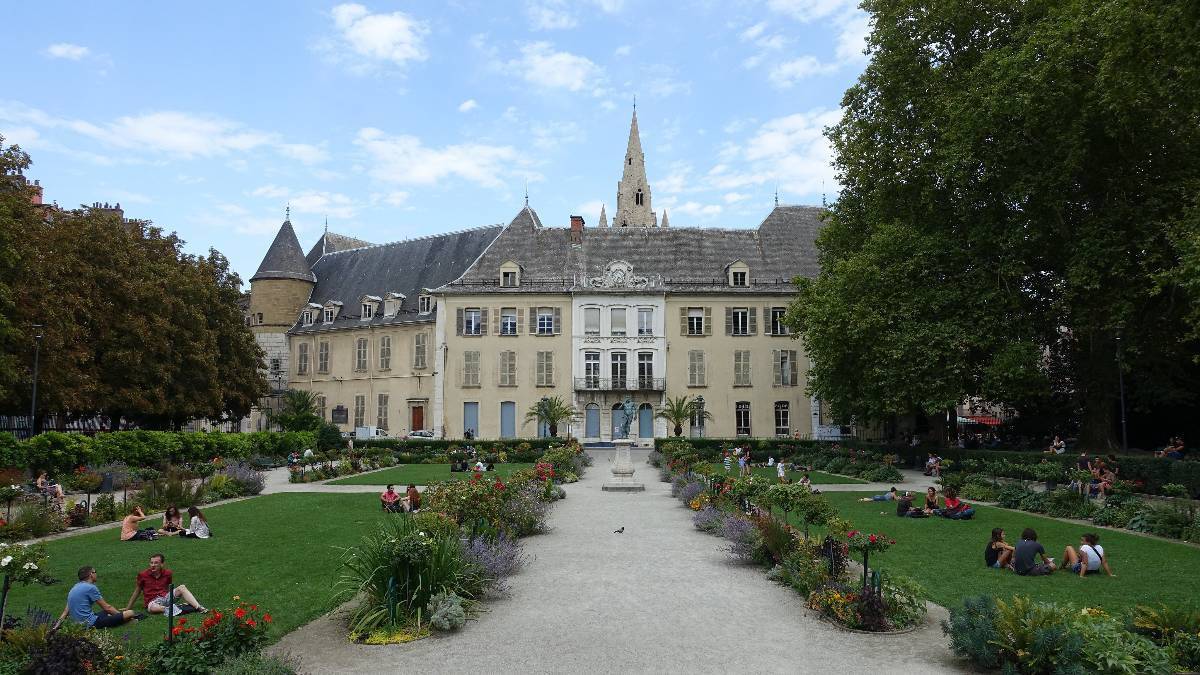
pixel 677 411
pixel 551 411
pixel 297 412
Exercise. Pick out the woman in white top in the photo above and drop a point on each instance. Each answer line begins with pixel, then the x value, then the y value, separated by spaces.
pixel 1089 558
pixel 198 528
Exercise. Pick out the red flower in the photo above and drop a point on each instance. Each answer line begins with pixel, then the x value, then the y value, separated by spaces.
pixel 266 618
pixel 872 539
pixel 250 622
pixel 499 485
pixel 176 630
pixel 239 612
pixel 851 534
pixel 217 615
pixel 182 622
pixel 254 607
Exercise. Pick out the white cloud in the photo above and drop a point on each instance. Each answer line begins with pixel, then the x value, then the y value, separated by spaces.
pixel 791 150
pixel 610 6
pixel 623 50
pixel 310 201
pixel 405 160
pixel 129 197
pixel 810 10
pixel 734 197
pixel 677 181
pixel 365 40
pixel 303 153
pixel 544 67
pixel 662 81
pixel 396 198
pixel 549 15
pixel 467 105
pixel 697 209
pixel 270 191
pixel 852 39
pixel 788 73
pixel 66 50
pixel 754 31
pixel 590 211
pixel 549 136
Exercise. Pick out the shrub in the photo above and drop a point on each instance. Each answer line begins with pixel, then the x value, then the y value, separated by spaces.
pixel 691 491
pixel 709 519
pixel 39 521
pixel 64 652
pixel 883 474
pixel 499 559
pixel 778 538
pixel 524 508
pixel 171 489
pixel 744 538
pixel 1068 504
pixel 972 631
pixel 249 481
pixel 446 611
pixel 905 601
pixel 1012 495
pixel 1165 521
pixel 256 664
pixel 804 570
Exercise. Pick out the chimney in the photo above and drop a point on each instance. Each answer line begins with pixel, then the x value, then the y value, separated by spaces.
pixel 576 229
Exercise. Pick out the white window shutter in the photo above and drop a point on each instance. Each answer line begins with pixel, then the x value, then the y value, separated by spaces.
pixel 458 325
pixel 777 369
pixel 683 320
pixel 754 321
pixel 708 320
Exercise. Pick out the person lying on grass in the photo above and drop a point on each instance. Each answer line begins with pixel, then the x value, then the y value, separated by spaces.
pixel 154 583
pixel 888 496
pixel 1089 559
pixel 999 553
pixel 83 595
pixel 955 508
pixel 1024 559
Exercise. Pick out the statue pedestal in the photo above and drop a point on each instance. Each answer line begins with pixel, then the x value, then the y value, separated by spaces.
pixel 622 470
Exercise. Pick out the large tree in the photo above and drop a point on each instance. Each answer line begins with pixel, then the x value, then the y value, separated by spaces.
pixel 1018 209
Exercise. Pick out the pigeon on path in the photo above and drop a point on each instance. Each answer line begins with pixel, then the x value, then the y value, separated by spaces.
pixel 620 531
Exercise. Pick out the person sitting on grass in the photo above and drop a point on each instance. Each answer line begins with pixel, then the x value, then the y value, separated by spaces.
pixel 1024 558
pixel 931 502
pixel 172 522
pixel 955 508
pixel 905 508
pixel 198 527
pixel 49 487
pixel 129 527
pixel 888 496
pixel 154 584
pixel 999 553
pixel 1090 557
pixel 805 480
pixel 390 500
pixel 480 466
pixel 414 498
pixel 83 595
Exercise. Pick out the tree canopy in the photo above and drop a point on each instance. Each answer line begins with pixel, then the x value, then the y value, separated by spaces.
pixel 133 326
pixel 1020 184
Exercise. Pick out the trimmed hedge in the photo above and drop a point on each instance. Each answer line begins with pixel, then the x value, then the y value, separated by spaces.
pixel 59 453
pixel 760 448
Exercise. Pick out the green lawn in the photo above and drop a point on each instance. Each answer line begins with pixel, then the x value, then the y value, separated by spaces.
pixel 421 474
pixel 278 551
pixel 816 477
pixel 946 557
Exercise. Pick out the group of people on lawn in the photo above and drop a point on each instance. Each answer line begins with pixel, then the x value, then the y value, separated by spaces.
pixel 172 525
pixel 742 457
pixel 392 502
pixel 154 584
pixel 1028 558
pixel 951 507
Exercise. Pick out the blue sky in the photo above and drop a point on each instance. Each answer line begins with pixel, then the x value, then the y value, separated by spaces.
pixel 396 120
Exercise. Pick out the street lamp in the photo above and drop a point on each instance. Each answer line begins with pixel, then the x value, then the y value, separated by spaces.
pixel 1121 384
pixel 700 413
pixel 37 353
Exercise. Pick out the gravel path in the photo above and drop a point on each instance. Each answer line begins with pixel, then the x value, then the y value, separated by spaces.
pixel 661 597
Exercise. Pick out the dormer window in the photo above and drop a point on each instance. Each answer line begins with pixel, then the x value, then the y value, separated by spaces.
pixel 306 317
pixel 508 279
pixel 329 315
pixel 510 275
pixel 739 278
pixel 368 311
pixel 739 274
pixel 425 304
pixel 391 306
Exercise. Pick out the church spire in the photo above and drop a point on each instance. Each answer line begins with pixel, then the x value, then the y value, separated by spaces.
pixel 633 191
pixel 664 220
pixel 603 217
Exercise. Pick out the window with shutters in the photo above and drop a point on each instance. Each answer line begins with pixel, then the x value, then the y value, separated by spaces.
pixel 508 369
pixel 321 407
pixel 508 321
pixel 302 359
pixel 419 350
pixel 471 369
pixel 545 321
pixel 471 321
pixel 381 412
pixel 741 418
pixel 646 321
pixel 591 321
pixel 360 410
pixel 425 304
pixel 739 321
pixel 323 357
pixel 695 321
pixel 616 321
pixel 696 375
pixel 783 418
pixel 786 368
pixel 385 352
pixel 777 326
pixel 360 354
pixel 741 368
pixel 545 369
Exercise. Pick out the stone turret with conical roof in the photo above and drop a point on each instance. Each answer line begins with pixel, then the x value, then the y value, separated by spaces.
pixel 633 192
pixel 282 285
pixel 603 217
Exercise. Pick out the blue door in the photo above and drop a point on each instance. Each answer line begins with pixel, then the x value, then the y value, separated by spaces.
pixel 592 421
pixel 646 421
pixel 543 430
pixel 508 419
pixel 618 420
pixel 471 418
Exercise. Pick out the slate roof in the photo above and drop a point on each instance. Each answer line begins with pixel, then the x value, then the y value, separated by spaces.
pixel 686 259
pixel 331 242
pixel 404 267
pixel 285 258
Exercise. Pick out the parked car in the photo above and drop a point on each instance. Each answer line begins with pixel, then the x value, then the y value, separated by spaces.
pixel 421 433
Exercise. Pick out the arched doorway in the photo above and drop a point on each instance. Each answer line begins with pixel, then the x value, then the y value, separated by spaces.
pixel 646 421
pixel 618 420
pixel 591 427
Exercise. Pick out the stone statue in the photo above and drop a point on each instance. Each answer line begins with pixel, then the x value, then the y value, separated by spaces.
pixel 630 410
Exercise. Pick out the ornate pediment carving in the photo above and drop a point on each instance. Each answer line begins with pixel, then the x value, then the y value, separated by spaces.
pixel 618 275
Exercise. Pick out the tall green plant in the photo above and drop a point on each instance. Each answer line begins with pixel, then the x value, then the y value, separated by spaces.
pixel 679 411
pixel 551 411
pixel 297 413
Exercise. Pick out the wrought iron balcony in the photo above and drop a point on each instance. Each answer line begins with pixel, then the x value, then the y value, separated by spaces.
pixel 620 383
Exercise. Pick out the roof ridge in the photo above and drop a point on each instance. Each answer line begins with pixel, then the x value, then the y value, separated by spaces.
pixel 421 238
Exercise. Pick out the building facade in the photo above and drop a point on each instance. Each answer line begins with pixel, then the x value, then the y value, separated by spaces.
pixel 462 333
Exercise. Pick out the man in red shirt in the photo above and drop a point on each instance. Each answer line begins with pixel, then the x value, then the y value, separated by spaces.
pixel 155 583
